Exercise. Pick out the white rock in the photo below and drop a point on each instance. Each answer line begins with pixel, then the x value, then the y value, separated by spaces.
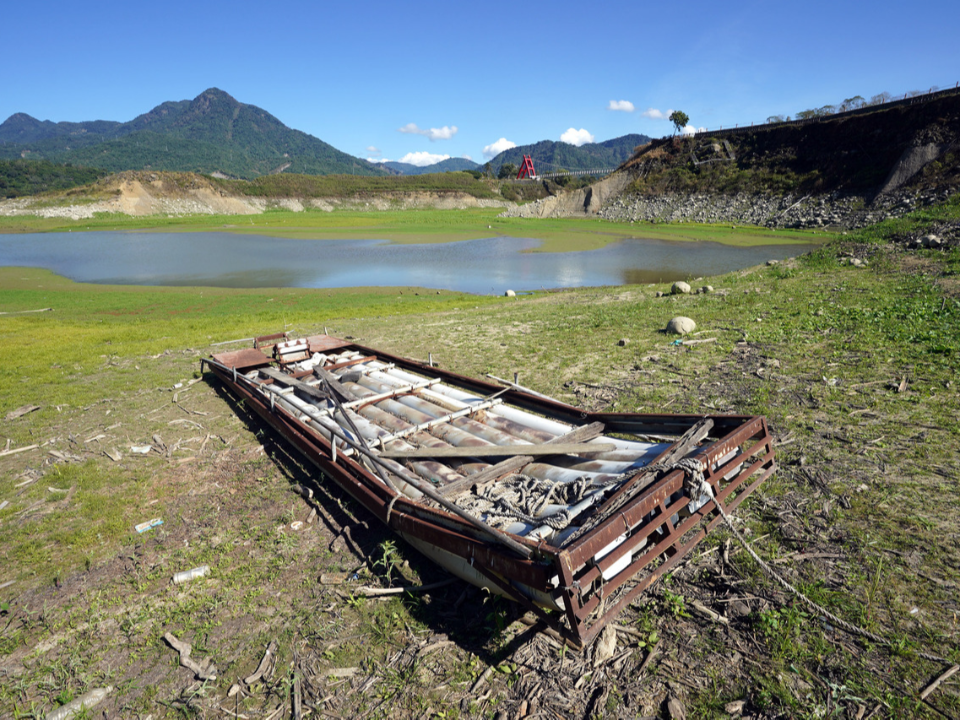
pixel 681 325
pixel 509 293
pixel 734 708
pixel 680 288
pixel 605 646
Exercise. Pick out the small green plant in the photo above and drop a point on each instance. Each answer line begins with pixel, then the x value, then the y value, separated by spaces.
pixel 784 629
pixel 675 604
pixel 356 601
pixel 31 712
pixel 389 558
pixel 496 618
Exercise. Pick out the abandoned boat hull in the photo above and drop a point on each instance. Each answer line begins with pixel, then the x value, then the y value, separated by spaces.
pixel 357 414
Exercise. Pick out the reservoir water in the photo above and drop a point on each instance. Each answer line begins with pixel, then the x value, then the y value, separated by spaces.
pixel 222 259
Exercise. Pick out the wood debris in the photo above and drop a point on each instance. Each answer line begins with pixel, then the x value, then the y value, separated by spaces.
pixel 265 668
pixel 21 411
pixel 203 671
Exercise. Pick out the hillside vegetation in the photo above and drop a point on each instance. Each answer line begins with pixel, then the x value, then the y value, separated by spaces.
pixel 31 177
pixel 313 186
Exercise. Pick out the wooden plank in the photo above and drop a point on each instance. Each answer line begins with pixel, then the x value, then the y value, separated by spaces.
pixel 492 473
pixel 344 394
pixel 516 463
pixel 349 363
pixel 580 435
pixel 502 450
pixel 685 444
pixel 300 387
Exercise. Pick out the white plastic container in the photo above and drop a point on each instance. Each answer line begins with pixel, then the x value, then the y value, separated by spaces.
pixel 188 575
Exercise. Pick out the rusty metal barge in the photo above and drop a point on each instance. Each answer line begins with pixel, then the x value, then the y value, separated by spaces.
pixel 571 514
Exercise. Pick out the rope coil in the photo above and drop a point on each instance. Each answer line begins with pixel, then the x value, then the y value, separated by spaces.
pixel 524 498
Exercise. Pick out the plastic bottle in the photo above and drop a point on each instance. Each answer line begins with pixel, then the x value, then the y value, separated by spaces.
pixel 188 575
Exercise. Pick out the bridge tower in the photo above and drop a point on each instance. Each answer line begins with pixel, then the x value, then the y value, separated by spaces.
pixel 526 169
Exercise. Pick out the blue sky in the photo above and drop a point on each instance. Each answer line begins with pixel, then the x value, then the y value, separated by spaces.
pixel 460 78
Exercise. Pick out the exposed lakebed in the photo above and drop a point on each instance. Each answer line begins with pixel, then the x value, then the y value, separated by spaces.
pixel 222 259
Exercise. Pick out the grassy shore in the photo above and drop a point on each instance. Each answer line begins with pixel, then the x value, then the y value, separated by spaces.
pixel 421 226
pixel 855 367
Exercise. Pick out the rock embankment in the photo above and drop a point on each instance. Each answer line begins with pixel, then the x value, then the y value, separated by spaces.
pixel 833 211
pixel 584 201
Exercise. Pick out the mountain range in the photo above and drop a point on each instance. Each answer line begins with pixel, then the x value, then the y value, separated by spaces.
pixel 215 134
pixel 548 156
pixel 448 165
pixel 552 156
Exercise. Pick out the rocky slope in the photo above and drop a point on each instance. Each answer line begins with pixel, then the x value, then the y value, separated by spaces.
pixel 840 173
pixel 175 194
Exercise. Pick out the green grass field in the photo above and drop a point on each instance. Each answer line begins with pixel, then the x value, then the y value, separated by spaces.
pixel 855 368
pixel 422 226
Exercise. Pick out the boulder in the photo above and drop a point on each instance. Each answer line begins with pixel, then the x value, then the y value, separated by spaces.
pixel 509 293
pixel 680 288
pixel 681 325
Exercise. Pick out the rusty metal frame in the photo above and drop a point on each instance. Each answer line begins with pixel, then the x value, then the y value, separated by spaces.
pixel 659 531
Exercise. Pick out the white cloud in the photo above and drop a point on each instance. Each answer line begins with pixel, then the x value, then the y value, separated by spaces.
pixel 373 149
pixel 577 137
pixel 691 130
pixel 494 149
pixel 422 158
pixel 378 160
pixel 467 157
pixel 444 133
pixel 621 106
pixel 655 114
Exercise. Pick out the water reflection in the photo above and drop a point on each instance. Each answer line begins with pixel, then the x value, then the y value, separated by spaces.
pixel 476 266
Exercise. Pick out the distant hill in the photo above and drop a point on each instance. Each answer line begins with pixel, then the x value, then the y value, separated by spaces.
pixel 213 133
pixel 550 156
pixel 448 165
pixel 22 129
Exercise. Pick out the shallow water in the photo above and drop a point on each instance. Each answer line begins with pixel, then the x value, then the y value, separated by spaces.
pixel 222 259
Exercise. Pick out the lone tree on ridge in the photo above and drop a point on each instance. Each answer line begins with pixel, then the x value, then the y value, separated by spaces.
pixel 679 119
